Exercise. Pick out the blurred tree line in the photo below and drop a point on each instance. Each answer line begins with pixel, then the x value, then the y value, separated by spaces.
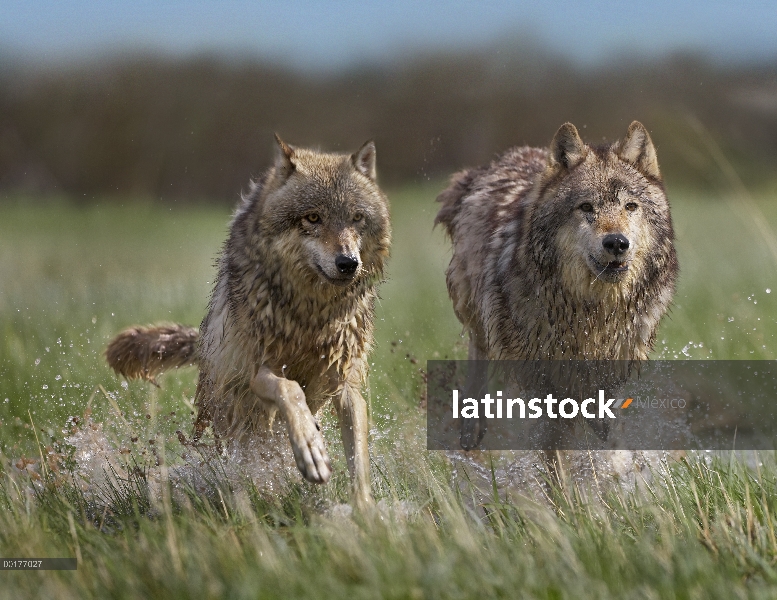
pixel 198 127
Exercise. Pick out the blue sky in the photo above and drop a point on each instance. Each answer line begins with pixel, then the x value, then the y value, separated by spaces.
pixel 333 33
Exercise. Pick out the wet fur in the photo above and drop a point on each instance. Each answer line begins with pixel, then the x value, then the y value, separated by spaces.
pixel 285 331
pixel 518 277
pixel 145 352
pixel 525 276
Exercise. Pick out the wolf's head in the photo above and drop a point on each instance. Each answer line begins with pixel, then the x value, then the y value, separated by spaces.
pixel 324 214
pixel 602 217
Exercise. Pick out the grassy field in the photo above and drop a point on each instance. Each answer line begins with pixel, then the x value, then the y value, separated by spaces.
pixel 70 277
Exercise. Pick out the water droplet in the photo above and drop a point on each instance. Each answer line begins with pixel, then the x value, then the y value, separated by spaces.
pixel 37 362
pixel 768 290
pixel 58 377
pixel 45 387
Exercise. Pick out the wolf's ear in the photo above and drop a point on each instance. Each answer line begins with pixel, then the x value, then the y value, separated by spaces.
pixel 567 149
pixel 637 149
pixel 284 162
pixel 364 160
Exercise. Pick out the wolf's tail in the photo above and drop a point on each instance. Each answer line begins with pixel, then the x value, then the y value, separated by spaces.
pixel 145 352
pixel 452 197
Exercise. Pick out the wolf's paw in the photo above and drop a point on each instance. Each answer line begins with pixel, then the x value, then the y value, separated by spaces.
pixel 472 432
pixel 309 450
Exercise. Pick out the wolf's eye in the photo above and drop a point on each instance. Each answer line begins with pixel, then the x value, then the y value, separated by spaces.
pixel 631 206
pixel 313 218
pixel 587 207
pixel 358 217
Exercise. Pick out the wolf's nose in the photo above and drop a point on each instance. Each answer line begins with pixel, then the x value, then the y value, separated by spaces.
pixel 615 243
pixel 347 265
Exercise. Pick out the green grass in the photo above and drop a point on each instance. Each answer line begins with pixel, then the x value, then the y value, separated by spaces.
pixel 72 277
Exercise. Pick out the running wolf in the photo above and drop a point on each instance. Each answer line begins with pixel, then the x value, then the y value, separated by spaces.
pixel 561 253
pixel 290 321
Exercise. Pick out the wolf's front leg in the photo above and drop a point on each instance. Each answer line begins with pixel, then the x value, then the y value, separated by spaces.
pixel 306 439
pixel 354 426
pixel 473 430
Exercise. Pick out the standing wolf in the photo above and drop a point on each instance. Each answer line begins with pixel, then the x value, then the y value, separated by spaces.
pixel 289 325
pixel 564 253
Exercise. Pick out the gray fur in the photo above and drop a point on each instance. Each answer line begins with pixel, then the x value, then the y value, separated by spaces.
pixel 524 274
pixel 287 329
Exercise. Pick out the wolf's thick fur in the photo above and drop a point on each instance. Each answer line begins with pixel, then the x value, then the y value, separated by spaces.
pixel 289 325
pixel 145 352
pixel 564 253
